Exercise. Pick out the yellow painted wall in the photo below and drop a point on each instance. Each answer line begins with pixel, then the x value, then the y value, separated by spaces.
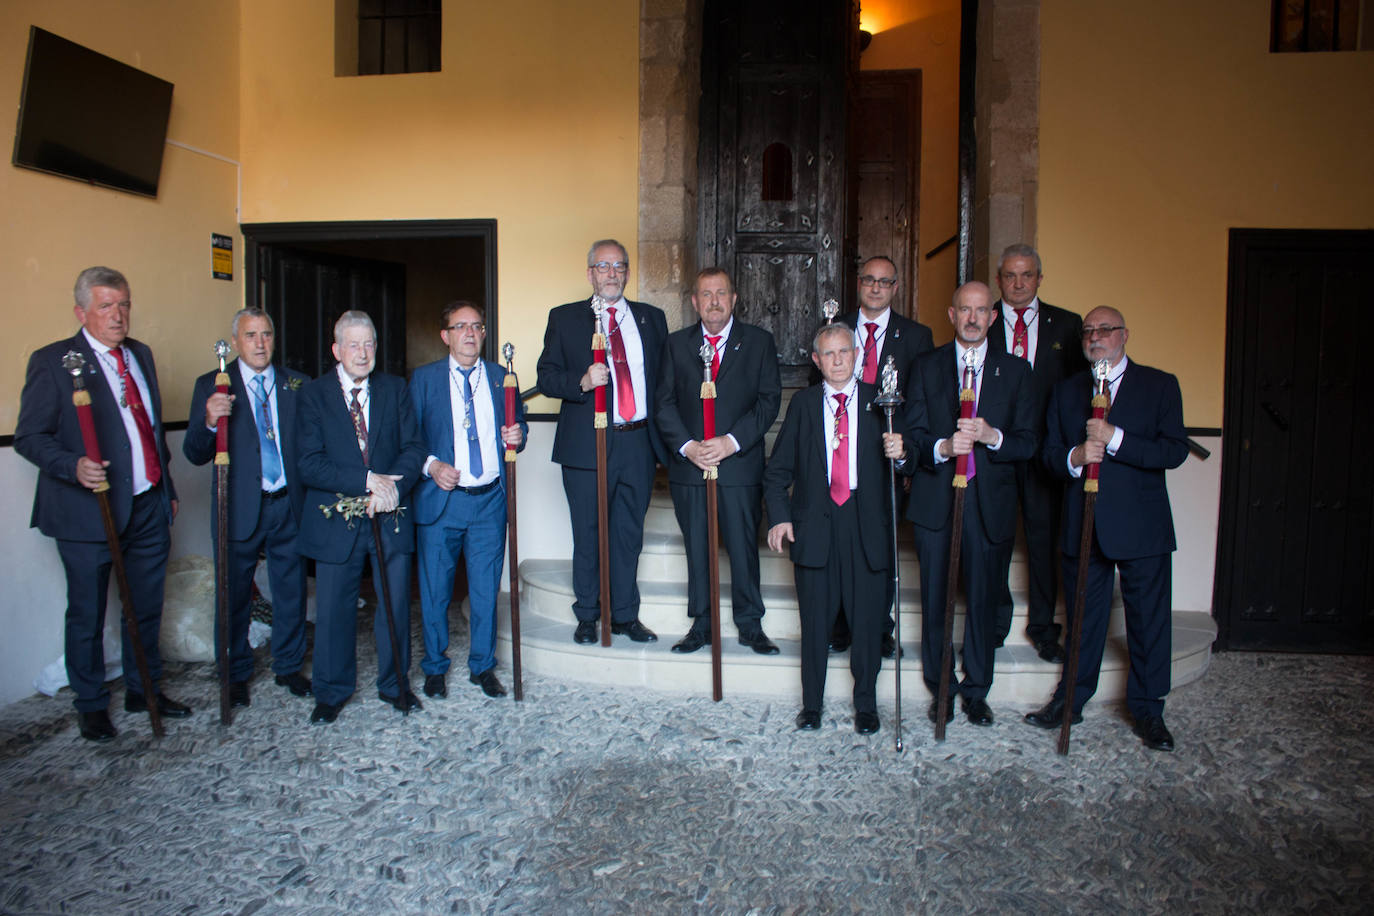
pixel 51 228
pixel 533 121
pixel 924 35
pixel 1163 125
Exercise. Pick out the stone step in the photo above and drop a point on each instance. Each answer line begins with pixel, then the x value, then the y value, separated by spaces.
pixel 1022 679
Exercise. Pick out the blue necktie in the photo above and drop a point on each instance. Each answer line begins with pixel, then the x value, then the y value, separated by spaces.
pixel 267 440
pixel 474 446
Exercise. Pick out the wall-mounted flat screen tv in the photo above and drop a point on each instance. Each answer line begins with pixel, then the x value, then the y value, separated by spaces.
pixel 90 117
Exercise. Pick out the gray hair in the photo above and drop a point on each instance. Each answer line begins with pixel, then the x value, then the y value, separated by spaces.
pixel 830 328
pixel 353 318
pixel 250 312
pixel 1020 250
pixel 600 243
pixel 97 276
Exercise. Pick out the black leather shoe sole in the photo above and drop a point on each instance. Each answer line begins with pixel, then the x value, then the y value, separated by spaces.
pixel 808 720
pixel 866 723
pixel 295 682
pixel 693 641
pixel 585 634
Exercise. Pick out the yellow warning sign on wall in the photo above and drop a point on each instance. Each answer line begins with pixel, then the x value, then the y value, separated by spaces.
pixel 221 256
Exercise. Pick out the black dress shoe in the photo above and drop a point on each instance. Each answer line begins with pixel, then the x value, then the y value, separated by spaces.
pixel 238 694
pixel 1051 651
pixel 488 682
pixel 978 711
pixel 1051 715
pixel 949 709
pixel 404 705
pixel 324 712
pixel 808 720
pixel 585 634
pixel 759 642
pixel 890 647
pixel 95 725
pixel 637 631
pixel 693 641
pixel 865 723
pixel 1152 731
pixel 839 643
pixel 295 682
pixel 435 686
pixel 166 706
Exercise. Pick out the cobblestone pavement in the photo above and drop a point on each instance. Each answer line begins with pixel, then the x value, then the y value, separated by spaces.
pixel 590 800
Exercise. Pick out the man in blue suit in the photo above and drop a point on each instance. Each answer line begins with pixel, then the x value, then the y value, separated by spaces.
pixel 1133 531
pixel 358 437
pixel 265 497
pixel 999 436
pixel 126 407
pixel 460 504
pixel 636 332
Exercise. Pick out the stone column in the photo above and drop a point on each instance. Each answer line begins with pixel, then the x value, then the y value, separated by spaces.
pixel 669 96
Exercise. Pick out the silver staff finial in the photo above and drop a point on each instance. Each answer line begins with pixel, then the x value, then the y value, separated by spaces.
pixel 221 350
pixel 889 376
pixel 508 354
pixel 830 308
pixel 707 354
pixel 1100 369
pixel 74 363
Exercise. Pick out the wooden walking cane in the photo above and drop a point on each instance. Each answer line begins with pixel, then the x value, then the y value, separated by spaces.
pixel 222 538
pixel 603 537
pixel 512 393
pixel 889 399
pixel 708 431
pixel 967 399
pixel 1101 404
pixel 75 364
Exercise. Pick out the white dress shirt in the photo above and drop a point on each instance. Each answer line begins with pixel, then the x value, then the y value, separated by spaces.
pixel 110 369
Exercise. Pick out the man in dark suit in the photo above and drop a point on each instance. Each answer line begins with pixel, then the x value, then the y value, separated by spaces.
pixel 460 502
pixel 358 437
pixel 999 436
pixel 1141 438
pixel 830 454
pixel 635 335
pixel 265 497
pixel 1047 337
pixel 126 407
pixel 879 333
pixel 748 392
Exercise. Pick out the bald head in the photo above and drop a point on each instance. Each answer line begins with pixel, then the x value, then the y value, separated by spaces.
pixel 971 313
pixel 1104 335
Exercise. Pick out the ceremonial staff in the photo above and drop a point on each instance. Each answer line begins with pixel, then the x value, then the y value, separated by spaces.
pixel 384 587
pixel 512 393
pixel 708 432
pixel 75 364
pixel 967 399
pixel 1100 404
pixel 889 399
pixel 603 543
pixel 222 536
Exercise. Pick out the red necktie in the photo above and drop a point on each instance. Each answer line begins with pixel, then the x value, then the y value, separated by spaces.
pixel 355 410
pixel 715 354
pixel 871 355
pixel 152 467
pixel 624 385
pixel 1020 336
pixel 839 459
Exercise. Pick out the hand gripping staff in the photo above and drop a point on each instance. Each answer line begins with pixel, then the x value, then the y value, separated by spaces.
pixel 512 393
pixel 75 364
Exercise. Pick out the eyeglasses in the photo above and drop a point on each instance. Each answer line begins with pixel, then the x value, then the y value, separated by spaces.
pixel 606 267
pixel 880 282
pixel 1090 333
pixel 476 326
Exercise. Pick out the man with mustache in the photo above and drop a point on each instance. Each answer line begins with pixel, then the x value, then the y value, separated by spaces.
pixel 1133 534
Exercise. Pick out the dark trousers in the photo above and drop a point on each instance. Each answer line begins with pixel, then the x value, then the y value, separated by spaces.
pixel 275 535
pixel 629 484
pixel 980 562
pixel 1039 496
pixel 144 544
pixel 841 629
pixel 335 673
pixel 1147 593
pixel 740 509
pixel 474 526
pixel 847 582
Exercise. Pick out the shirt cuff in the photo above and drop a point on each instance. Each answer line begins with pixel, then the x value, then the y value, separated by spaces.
pixel 939 459
pixel 428 461
pixel 1074 472
pixel 1000 439
pixel 1115 444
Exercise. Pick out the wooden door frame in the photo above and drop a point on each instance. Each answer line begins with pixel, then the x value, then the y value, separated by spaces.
pixel 303 233
pixel 1244 244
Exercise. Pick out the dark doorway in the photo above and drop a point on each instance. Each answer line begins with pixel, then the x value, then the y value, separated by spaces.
pixel 776 75
pixel 400 272
pixel 886 157
pixel 1295 553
